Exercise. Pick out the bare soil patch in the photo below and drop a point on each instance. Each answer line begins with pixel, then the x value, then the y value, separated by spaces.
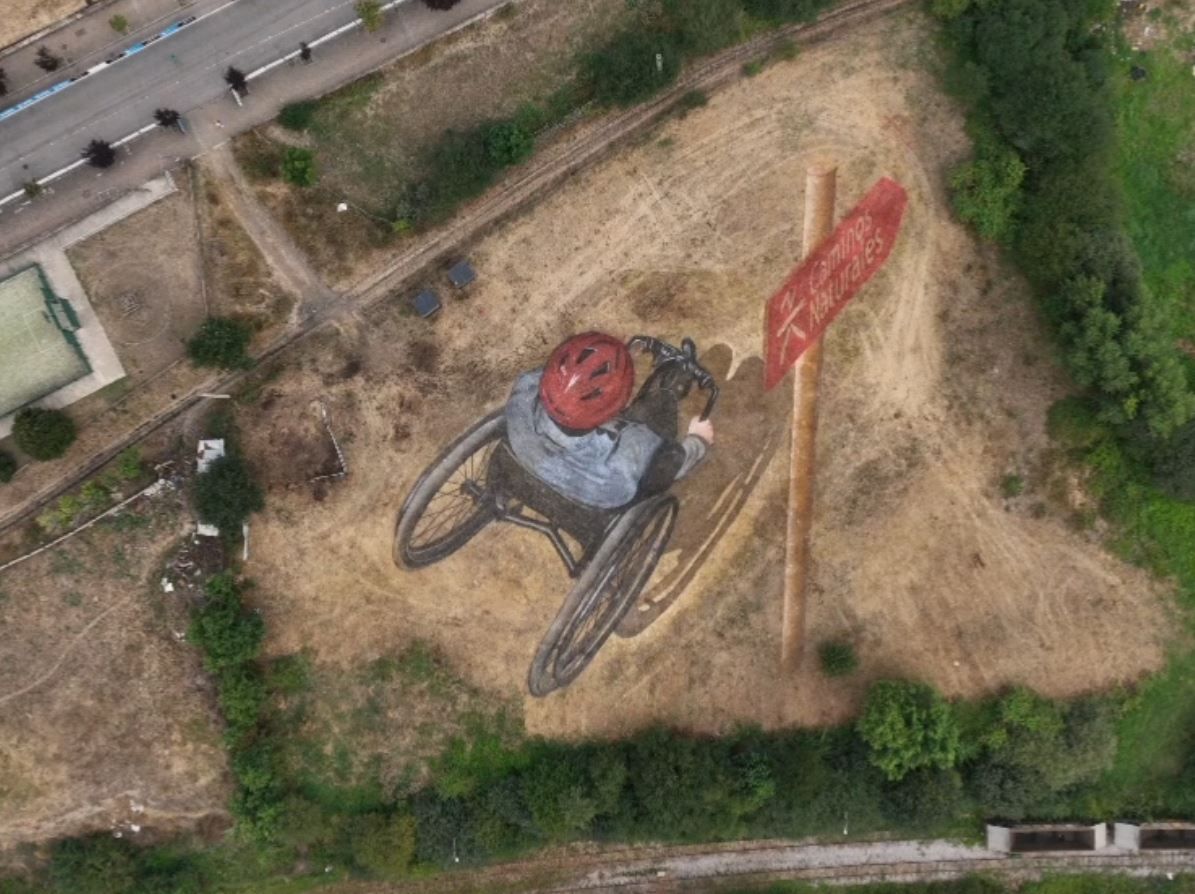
pixel 370 136
pixel 937 383
pixel 106 718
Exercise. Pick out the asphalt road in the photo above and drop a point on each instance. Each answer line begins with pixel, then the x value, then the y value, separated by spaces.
pixel 181 72
pixel 185 72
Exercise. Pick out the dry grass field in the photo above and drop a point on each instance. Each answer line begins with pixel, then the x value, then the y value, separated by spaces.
pixel 369 137
pixel 936 386
pixel 23 17
pixel 106 718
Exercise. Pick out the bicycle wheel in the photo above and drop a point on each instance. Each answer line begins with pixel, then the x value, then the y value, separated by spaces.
pixel 450 502
pixel 606 589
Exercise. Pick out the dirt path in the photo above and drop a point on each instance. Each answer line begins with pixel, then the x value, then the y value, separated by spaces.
pixel 544 173
pixel 287 262
pixel 751 863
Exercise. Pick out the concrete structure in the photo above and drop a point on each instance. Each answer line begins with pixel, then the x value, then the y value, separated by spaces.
pixel 1052 838
pixel 1154 836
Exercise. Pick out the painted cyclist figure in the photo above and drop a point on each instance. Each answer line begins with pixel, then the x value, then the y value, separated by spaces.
pixel 572 423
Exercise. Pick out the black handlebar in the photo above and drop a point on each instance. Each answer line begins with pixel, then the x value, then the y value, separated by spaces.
pixel 686 357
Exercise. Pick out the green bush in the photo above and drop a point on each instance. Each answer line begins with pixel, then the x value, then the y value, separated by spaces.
pixel 987 190
pixel 128 464
pixel 298 167
pixel 632 65
pixel 1072 423
pixel 43 434
pixel 97 864
pixel 1174 465
pixel 226 494
pixel 228 635
pixel 383 845
pixel 926 798
pixel 778 11
pixel 1012 485
pixel 702 27
pixel 907 727
pixel 220 342
pixel 837 658
pixel 8 467
pixel 507 143
pixel 370 13
pixel 298 115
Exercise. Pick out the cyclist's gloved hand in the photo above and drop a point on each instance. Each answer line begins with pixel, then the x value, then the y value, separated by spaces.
pixel 702 428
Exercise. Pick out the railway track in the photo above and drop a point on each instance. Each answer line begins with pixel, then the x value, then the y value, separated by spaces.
pixel 474 221
pixel 662 870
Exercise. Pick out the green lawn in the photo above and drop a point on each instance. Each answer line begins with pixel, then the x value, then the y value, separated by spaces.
pixel 1156 163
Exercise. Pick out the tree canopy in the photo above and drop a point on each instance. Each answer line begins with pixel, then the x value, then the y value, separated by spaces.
pixel 908 726
pixel 42 433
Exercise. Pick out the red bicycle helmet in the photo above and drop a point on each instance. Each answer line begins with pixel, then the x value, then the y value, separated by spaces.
pixel 587 381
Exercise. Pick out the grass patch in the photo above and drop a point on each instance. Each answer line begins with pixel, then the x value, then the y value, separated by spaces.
pixel 1155 160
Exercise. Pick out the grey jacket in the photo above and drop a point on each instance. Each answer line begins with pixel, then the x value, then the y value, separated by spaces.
pixel 601 468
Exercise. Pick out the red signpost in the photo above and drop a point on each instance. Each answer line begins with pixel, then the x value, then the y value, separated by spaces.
pixel 822 284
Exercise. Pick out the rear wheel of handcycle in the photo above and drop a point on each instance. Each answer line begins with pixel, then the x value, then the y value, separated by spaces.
pixel 450 502
pixel 607 588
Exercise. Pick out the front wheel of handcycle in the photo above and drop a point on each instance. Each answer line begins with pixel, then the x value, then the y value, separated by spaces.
pixel 450 502
pixel 604 592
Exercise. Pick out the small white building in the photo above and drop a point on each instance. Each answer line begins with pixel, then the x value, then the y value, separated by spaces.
pixel 208 452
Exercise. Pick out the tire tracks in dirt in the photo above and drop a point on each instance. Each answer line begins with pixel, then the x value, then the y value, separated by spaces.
pixel 541 176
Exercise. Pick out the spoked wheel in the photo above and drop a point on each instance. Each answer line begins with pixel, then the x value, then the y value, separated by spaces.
pixel 450 502
pixel 606 589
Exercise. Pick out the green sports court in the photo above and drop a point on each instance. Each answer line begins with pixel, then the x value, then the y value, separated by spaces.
pixel 38 350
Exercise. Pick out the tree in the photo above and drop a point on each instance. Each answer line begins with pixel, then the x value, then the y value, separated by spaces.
pixel 226 494
pixel 43 434
pixel 986 191
pixel 631 66
pixel 167 118
pixel 370 13
pixel 32 189
pixel 908 726
pixel 441 4
pixel 383 845
pixel 235 78
pixel 508 144
pixel 119 24
pixel 704 26
pixel 298 167
pixel 100 154
pixel 46 61
pixel 8 467
pixel 784 10
pixel 220 342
